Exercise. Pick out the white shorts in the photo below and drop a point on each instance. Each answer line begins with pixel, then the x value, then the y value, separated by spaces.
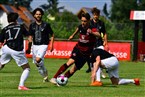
pixel 39 51
pixel 18 56
pixel 111 64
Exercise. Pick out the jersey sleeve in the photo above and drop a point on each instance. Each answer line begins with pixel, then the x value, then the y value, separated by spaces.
pixel 103 29
pixel 31 29
pixel 49 29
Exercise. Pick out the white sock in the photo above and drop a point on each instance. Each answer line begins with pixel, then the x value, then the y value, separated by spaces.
pixel 24 76
pixel 43 71
pixel 125 81
pixel 98 74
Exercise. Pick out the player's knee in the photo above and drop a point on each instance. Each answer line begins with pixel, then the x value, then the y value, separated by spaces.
pixel 38 60
pixel 114 80
pixel 25 66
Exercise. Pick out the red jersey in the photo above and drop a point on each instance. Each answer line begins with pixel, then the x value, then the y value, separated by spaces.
pixel 86 40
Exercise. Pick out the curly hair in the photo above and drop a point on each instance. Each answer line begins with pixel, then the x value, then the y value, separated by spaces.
pixel 95 10
pixel 38 9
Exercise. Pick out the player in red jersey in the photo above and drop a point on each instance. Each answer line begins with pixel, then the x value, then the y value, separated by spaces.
pixel 83 49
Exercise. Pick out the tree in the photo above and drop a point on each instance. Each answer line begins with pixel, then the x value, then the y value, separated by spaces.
pixel 64 24
pixel 52 7
pixel 105 10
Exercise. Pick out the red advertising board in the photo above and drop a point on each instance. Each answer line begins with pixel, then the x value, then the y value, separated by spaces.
pixel 62 49
pixel 121 50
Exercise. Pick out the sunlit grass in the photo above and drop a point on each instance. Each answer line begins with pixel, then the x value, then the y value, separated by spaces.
pixel 78 85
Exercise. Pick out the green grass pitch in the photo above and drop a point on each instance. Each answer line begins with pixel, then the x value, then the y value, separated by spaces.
pixel 78 84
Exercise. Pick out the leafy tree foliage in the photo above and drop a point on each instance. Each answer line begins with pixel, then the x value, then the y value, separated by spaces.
pixel 52 7
pixel 105 10
pixel 64 24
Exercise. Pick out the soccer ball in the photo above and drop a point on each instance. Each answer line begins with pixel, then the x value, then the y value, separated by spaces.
pixel 62 80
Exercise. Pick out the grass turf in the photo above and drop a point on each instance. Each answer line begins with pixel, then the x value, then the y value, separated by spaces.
pixel 78 84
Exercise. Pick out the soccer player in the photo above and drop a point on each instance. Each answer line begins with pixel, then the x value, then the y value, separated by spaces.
pixel 40 32
pixel 101 42
pixel 103 59
pixel 82 50
pixel 12 38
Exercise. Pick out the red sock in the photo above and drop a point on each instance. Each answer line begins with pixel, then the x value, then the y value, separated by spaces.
pixel 68 74
pixel 61 70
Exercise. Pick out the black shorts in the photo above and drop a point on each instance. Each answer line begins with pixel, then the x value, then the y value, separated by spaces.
pixel 79 57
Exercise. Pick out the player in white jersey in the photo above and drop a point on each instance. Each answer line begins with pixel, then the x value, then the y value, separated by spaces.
pixel 103 59
pixel 11 38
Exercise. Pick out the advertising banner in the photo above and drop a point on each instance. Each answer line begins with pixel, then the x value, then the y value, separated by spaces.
pixel 62 49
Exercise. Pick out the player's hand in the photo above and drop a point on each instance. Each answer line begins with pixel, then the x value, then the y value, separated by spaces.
pixel 89 31
pixel 93 75
pixel 1 44
pixel 70 37
pixel 28 51
pixel 106 47
pixel 51 48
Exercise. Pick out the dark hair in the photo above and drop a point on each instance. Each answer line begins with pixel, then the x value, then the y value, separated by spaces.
pixel 86 15
pixel 12 17
pixel 95 10
pixel 38 9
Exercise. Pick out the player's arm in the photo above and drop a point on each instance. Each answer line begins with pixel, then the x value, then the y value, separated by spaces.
pixel 104 37
pixel 76 31
pixel 97 34
pixel 96 65
pixel 51 42
pixel 30 40
pixel 105 43
pixel 28 51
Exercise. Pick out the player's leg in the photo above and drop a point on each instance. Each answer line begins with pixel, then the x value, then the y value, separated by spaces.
pixel 5 57
pixel 114 76
pixel 103 75
pixel 89 67
pixel 135 81
pixel 42 69
pixel 24 76
pixel 117 81
pixel 61 70
pixel 38 57
pixel 22 61
pixel 70 72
